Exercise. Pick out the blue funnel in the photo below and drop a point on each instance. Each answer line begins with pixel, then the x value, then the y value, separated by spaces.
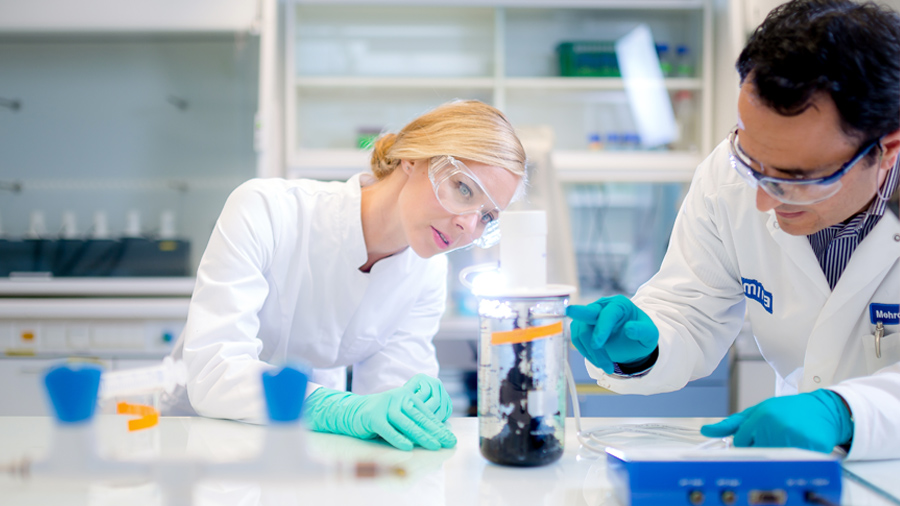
pixel 285 391
pixel 73 391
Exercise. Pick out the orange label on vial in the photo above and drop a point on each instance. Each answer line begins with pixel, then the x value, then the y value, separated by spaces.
pixel 527 334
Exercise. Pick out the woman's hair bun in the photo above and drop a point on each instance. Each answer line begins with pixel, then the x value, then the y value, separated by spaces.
pixel 382 165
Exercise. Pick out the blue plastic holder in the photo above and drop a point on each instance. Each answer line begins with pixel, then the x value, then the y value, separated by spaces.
pixel 285 392
pixel 72 389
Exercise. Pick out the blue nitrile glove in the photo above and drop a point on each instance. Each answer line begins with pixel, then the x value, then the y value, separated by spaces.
pixel 815 421
pixel 432 394
pixel 397 415
pixel 612 330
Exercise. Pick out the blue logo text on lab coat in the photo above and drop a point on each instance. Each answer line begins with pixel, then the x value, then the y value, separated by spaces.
pixel 888 314
pixel 753 289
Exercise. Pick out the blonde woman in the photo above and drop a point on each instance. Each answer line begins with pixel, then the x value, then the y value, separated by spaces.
pixel 350 274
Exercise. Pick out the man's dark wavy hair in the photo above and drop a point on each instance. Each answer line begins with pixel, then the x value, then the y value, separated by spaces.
pixel 847 49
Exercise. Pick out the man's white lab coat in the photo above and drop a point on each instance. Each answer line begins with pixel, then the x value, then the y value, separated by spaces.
pixel 725 255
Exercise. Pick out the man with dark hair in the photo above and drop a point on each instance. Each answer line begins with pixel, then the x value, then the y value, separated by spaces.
pixel 785 223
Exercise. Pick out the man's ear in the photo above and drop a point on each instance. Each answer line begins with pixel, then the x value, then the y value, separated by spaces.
pixel 891 145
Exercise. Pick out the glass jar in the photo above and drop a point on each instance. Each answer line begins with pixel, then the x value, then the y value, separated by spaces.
pixel 521 379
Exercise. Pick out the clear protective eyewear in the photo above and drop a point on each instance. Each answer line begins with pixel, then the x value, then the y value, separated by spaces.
pixel 460 192
pixel 791 191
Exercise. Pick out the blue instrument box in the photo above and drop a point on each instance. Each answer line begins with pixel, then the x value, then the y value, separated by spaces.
pixel 729 477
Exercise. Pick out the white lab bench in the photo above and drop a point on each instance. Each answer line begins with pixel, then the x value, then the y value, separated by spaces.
pixel 458 476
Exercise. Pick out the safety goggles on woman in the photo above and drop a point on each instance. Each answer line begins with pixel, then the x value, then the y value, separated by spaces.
pixel 800 192
pixel 460 192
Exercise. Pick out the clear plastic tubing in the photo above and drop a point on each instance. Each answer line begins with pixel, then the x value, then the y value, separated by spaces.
pixel 143 380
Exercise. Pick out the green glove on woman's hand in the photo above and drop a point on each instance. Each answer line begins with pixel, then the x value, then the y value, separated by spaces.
pixel 397 415
pixel 432 394
pixel 815 421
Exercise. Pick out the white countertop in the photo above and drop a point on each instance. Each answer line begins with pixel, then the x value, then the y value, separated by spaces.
pixel 459 476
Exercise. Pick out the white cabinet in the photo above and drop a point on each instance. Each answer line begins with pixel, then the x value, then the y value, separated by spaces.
pixel 354 69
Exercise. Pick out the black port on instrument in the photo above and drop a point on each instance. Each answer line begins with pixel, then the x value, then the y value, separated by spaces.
pixel 696 497
pixel 776 497
pixel 728 497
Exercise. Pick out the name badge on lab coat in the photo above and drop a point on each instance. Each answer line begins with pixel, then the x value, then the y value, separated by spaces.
pixel 881 315
pixel 887 314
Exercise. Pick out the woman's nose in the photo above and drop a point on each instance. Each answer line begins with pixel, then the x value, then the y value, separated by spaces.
pixel 468 222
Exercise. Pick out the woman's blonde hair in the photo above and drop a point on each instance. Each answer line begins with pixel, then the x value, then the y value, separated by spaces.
pixel 466 129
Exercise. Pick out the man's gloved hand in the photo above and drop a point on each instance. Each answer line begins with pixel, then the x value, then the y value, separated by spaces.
pixel 432 394
pixel 397 415
pixel 612 330
pixel 815 421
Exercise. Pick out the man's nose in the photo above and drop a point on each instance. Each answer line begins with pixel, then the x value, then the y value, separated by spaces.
pixel 764 201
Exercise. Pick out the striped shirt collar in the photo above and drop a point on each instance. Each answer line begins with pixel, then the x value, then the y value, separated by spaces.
pixel 833 245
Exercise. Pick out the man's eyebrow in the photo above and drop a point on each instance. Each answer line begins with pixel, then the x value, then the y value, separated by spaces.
pixel 792 171
pixel 797 172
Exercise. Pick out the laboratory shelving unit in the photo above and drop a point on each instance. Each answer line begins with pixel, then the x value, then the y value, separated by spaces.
pixel 352 65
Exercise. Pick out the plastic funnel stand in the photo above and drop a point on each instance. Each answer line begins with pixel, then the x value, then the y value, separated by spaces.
pixel 285 392
pixel 73 391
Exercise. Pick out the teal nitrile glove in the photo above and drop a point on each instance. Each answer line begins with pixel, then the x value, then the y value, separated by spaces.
pixel 432 394
pixel 815 421
pixel 612 330
pixel 397 415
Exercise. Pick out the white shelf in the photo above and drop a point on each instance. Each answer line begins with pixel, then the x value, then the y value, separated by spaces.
pixel 393 82
pixel 571 166
pixel 591 83
pixel 592 4
pixel 524 83
pixel 625 166
pixel 328 163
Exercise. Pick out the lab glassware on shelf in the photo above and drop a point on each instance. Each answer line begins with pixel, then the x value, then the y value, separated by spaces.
pixel 517 59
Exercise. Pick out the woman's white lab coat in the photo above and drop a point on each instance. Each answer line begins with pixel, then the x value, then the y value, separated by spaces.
pixel 279 282
pixel 725 255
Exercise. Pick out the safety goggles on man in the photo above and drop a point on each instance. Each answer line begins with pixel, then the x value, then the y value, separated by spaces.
pixel 800 192
pixel 460 192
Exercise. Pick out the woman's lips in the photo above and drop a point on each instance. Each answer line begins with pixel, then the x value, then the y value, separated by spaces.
pixel 439 239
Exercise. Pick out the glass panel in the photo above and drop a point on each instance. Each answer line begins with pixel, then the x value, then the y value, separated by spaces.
pixel 620 233
pixel 117 123
pixel 533 35
pixel 427 41
pixel 338 118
